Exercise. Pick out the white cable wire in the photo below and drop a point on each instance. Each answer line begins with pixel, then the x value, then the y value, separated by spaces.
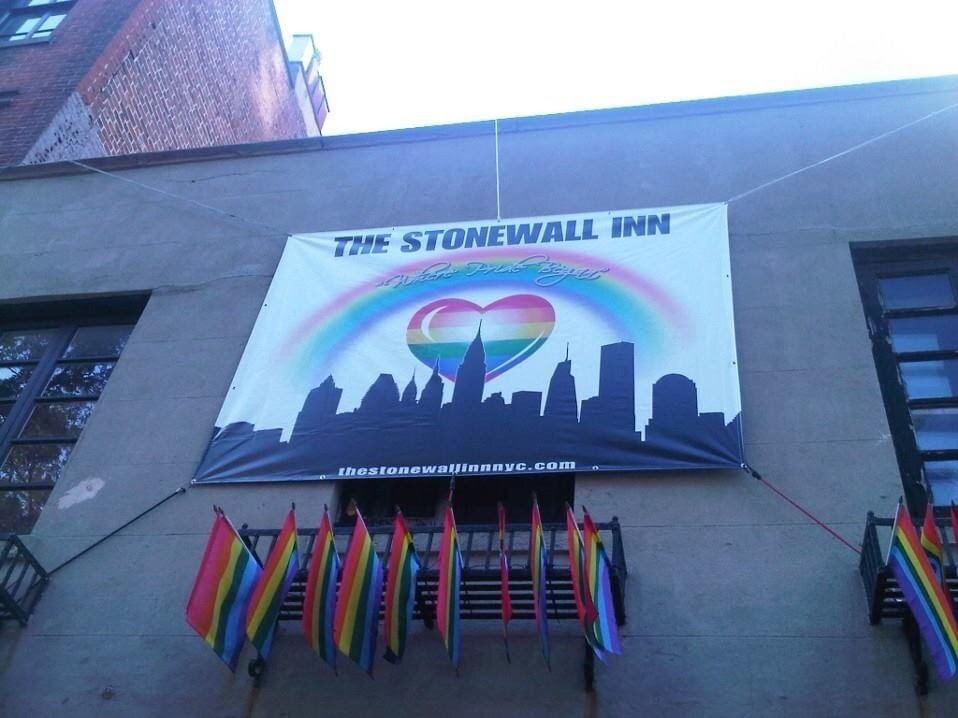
pixel 172 195
pixel 835 156
pixel 498 201
pixel 741 195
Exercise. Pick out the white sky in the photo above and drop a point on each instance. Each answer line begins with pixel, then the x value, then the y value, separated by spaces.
pixel 391 65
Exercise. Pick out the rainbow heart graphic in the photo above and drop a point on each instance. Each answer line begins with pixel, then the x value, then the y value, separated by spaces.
pixel 512 329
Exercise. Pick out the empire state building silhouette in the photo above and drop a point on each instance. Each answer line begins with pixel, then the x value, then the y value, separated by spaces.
pixel 471 375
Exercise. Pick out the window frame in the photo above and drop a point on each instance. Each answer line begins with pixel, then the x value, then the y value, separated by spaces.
pixel 41 12
pixel 874 261
pixel 65 318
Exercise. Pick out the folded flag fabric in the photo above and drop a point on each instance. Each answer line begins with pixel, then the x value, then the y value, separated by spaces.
pixel 924 595
pixel 538 564
pixel 401 576
pixel 599 582
pixel 584 605
pixel 505 598
pixel 356 624
pixel 931 540
pixel 221 593
pixel 272 587
pixel 319 603
pixel 450 575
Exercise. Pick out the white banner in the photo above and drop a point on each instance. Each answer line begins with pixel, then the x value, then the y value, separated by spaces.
pixel 586 342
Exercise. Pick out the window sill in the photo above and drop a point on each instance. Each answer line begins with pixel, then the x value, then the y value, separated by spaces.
pixel 22 43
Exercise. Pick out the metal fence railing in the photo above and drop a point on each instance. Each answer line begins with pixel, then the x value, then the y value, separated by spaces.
pixel 22 580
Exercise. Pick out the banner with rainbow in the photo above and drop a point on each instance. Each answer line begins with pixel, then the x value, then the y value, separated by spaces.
pixel 587 342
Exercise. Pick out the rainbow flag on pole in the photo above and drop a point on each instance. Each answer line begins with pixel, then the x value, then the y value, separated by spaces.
pixel 580 589
pixel 401 576
pixel 319 603
pixel 538 566
pixel 599 581
pixel 272 587
pixel 931 540
pixel 447 592
pixel 222 590
pixel 359 597
pixel 505 598
pixel 924 594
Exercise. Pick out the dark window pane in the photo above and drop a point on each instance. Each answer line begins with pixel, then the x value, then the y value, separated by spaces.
pixel 34 463
pixel 17 27
pixel 24 346
pixel 918 290
pixel 12 380
pixel 936 429
pixel 943 478
pixel 19 510
pixel 79 379
pixel 930 379
pixel 920 334
pixel 58 419
pixel 5 408
pixel 98 341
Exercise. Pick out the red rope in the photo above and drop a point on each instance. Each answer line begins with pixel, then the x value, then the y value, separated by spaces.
pixel 801 508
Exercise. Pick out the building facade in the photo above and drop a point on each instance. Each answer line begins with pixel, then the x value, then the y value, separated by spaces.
pixel 91 78
pixel 736 603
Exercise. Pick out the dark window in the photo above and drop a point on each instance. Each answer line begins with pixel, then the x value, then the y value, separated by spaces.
pixel 908 290
pixel 30 20
pixel 474 500
pixel 52 371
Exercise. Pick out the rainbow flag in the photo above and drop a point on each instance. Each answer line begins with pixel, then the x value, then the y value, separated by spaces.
pixel 400 589
pixel 599 582
pixel 359 597
pixel 505 598
pixel 272 587
pixel 222 590
pixel 447 592
pixel 319 603
pixel 931 540
pixel 924 594
pixel 538 566
pixel 580 590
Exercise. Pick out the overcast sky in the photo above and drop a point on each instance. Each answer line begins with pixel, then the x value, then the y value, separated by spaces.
pixel 424 62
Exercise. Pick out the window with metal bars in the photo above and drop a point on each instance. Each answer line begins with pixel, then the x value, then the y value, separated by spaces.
pixel 24 21
pixel 910 295
pixel 51 376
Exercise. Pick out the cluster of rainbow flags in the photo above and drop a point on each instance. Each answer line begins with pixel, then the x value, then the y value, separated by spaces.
pixel 234 598
pixel 916 562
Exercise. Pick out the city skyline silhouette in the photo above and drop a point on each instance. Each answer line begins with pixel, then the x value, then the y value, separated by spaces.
pixel 411 428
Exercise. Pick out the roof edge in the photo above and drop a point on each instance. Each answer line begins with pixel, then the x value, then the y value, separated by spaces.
pixel 640 113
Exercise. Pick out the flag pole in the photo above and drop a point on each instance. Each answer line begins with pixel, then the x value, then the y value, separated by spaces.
pixel 504 574
pixel 894 527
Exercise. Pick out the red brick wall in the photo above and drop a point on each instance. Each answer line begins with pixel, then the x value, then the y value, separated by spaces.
pixel 153 75
pixel 189 74
pixel 45 74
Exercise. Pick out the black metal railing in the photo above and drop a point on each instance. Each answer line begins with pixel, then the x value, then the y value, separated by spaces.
pixel 22 580
pixel 480 597
pixel 882 593
pixel 881 589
